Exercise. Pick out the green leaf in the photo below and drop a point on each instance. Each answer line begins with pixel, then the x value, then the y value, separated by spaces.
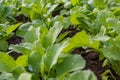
pixel 12 28
pixel 52 35
pixel 80 39
pixel 7 63
pixel 62 36
pixel 103 15
pixel 22 30
pixel 3 45
pixel 32 35
pixel 23 48
pixel 70 63
pixel 112 52
pixel 17 71
pixel 22 61
pixel 35 62
pixel 83 75
pixel 101 35
pixel 37 46
pixel 75 2
pixel 52 55
pixel 99 3
pixel 74 19
pixel 25 76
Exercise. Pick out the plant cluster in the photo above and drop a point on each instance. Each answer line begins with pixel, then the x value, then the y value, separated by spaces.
pixel 46 53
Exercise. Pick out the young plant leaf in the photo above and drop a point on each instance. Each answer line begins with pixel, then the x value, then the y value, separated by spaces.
pixel 32 35
pixel 25 76
pixel 3 45
pixel 70 63
pixel 7 63
pixel 53 33
pixel 83 75
pixel 52 54
pixel 112 52
pixel 34 61
pixel 22 61
pixel 80 39
pixel 12 28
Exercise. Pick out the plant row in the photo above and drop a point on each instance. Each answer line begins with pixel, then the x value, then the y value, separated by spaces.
pixel 46 52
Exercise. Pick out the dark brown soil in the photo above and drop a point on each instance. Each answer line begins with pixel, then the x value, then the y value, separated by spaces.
pixel 15 55
pixel 92 61
pixel 22 18
pixel 15 40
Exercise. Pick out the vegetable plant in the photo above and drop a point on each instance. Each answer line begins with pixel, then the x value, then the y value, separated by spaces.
pixel 43 59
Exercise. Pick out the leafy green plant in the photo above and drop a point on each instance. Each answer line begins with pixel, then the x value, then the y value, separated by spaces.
pixel 45 59
pixel 5 33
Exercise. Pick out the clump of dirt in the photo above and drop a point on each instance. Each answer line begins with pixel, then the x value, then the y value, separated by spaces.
pixel 15 40
pixel 22 18
pixel 15 55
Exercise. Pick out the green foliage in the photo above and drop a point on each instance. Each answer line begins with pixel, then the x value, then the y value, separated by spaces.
pixel 44 59
pixel 84 75
pixel 79 40
pixel 44 46
pixel 7 63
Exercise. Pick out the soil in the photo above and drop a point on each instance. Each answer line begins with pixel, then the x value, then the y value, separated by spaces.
pixel 22 18
pixel 92 61
pixel 15 40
